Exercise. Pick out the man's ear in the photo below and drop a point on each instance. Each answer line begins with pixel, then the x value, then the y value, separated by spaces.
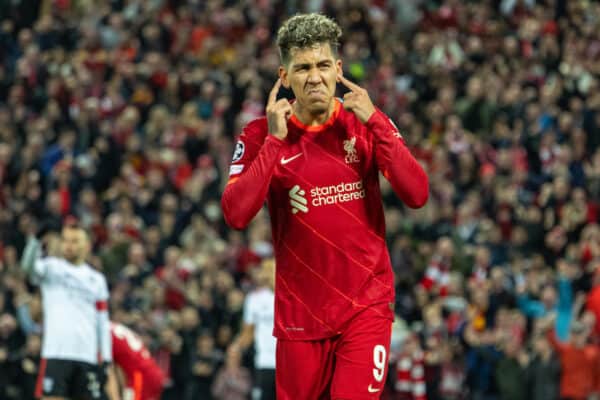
pixel 284 77
pixel 338 68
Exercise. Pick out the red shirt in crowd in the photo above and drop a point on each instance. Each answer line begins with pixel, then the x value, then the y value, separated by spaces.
pixel 579 368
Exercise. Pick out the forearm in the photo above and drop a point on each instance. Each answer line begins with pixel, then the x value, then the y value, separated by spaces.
pixel 246 337
pixel 397 164
pixel 531 308
pixel 104 338
pixel 32 251
pixel 244 195
pixel 27 324
pixel 565 294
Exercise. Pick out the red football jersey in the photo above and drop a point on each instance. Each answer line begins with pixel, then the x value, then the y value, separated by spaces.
pixel 132 356
pixel 322 188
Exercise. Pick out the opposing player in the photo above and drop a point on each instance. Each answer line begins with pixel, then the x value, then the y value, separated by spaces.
pixel 316 160
pixel 76 323
pixel 144 379
pixel 258 329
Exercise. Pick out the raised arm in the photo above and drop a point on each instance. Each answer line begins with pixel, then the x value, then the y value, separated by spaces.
pixel 254 160
pixel 406 176
pixel 249 181
pixel 31 261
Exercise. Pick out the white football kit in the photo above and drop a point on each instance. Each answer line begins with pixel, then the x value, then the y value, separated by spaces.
pixel 259 311
pixel 76 322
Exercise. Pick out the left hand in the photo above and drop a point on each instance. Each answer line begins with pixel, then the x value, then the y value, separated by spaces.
pixel 357 100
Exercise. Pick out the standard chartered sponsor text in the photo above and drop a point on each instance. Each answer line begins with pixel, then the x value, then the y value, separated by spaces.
pixel 340 193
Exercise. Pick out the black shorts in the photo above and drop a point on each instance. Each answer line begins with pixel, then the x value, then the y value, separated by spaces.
pixel 75 380
pixel 265 383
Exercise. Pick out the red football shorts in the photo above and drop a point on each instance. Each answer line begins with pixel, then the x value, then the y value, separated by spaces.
pixel 350 366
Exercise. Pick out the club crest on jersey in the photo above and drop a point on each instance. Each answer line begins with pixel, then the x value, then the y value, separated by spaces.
pixel 350 149
pixel 238 152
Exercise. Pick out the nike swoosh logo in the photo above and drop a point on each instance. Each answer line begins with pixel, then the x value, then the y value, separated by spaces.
pixel 287 160
pixel 371 389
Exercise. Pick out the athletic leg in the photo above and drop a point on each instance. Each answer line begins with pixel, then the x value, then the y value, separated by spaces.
pixel 304 369
pixel 361 357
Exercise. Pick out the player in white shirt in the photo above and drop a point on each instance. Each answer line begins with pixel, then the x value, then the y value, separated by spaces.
pixel 259 314
pixel 76 322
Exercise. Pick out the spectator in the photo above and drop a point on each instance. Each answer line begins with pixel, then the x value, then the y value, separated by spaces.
pixel 205 365
pixel 544 370
pixel 511 370
pixel 549 302
pixel 579 362
pixel 410 371
pixel 26 365
pixel 124 114
pixel 10 343
pixel 232 381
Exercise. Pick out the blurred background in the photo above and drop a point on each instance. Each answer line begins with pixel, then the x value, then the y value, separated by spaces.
pixel 123 114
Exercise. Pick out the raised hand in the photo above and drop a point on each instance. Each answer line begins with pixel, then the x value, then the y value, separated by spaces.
pixel 357 100
pixel 278 113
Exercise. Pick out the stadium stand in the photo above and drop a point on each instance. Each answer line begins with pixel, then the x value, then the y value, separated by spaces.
pixel 123 114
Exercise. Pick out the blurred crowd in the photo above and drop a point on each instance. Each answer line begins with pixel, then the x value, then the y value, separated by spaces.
pixel 122 114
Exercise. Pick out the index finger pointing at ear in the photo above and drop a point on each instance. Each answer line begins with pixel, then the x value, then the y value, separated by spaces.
pixel 349 84
pixel 274 91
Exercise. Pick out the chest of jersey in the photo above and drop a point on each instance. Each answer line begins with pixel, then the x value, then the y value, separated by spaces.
pixel 76 284
pixel 324 168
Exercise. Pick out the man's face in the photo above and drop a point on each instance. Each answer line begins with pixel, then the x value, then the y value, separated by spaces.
pixel 312 75
pixel 548 297
pixel 75 245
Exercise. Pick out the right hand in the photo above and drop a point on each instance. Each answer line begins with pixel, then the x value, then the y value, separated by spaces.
pixel 278 113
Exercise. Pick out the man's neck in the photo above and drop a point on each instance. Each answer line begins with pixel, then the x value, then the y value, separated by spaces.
pixel 310 119
pixel 76 263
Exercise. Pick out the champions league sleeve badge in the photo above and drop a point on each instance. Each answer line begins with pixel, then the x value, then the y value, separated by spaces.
pixel 238 152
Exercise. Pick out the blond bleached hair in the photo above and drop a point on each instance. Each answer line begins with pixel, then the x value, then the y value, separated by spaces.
pixel 306 30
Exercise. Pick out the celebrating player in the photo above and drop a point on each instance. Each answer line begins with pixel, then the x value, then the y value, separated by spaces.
pixel 316 160
pixel 76 324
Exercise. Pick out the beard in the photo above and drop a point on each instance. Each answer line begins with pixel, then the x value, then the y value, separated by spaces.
pixel 72 258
